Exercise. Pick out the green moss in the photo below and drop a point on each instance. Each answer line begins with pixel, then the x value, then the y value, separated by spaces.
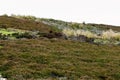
pixel 1 47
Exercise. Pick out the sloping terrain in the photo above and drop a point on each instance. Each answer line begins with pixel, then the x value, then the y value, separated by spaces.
pixel 31 49
pixel 53 59
pixel 83 32
pixel 14 28
pixel 11 22
pixel 74 25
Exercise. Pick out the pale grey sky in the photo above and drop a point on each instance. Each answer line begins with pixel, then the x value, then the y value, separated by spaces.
pixel 90 11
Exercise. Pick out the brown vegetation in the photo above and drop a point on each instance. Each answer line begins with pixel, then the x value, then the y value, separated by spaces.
pixel 10 22
pixel 44 58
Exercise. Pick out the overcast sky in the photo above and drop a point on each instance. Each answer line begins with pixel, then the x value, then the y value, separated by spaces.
pixel 90 11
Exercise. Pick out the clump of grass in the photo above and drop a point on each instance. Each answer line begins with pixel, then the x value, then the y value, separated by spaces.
pixel 72 32
pixel 110 34
pixel 105 35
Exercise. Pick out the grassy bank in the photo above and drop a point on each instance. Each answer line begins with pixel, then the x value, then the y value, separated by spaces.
pixel 52 59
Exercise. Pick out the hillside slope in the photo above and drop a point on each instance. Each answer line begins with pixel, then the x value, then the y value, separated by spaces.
pixel 42 49
pixel 11 22
pixel 53 59
pixel 75 25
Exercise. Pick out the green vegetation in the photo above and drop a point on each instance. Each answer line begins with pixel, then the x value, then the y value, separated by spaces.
pixel 102 34
pixel 5 32
pixel 10 31
pixel 34 59
pixel 1 47
pixel 33 48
